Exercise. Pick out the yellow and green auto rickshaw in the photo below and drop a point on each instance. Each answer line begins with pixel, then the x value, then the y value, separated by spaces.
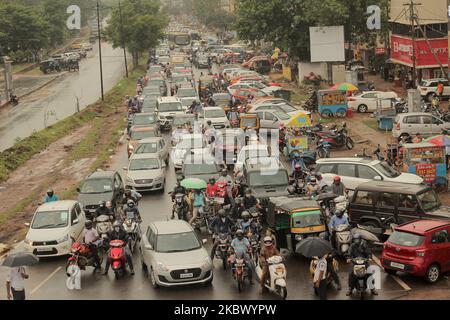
pixel 294 219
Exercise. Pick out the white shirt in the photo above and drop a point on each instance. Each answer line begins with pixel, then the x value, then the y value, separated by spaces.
pixel 90 235
pixel 321 267
pixel 16 279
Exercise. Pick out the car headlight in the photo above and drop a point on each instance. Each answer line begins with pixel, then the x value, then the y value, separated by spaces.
pixel 28 241
pixel 130 147
pixel 206 263
pixel 63 239
pixel 159 179
pixel 160 267
pixel 298 237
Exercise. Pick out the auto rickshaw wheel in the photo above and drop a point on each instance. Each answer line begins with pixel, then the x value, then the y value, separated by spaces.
pixel 341 113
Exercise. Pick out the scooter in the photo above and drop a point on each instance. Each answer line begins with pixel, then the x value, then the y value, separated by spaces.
pixel 343 238
pixel 323 149
pixel 131 227
pixel 103 226
pixel 276 281
pixel 360 273
pixel 118 258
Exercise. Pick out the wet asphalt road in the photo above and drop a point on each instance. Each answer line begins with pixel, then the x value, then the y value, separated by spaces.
pixel 58 100
pixel 48 278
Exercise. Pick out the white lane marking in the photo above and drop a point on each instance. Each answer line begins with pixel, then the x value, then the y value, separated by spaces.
pixel 45 280
pixel 397 279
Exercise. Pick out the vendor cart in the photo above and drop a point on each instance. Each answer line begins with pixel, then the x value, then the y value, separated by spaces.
pixel 332 103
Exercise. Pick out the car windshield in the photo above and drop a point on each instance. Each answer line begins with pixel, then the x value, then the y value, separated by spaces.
pixel 257 85
pixel 170 106
pixel 288 108
pixel 429 200
pixel 149 103
pixel 181 121
pixel 271 178
pixel 139 135
pixel 141 119
pixel 178 242
pixel 308 219
pixel 50 219
pixel 144 164
pixel 406 239
pixel 156 82
pixel 191 143
pixel 387 170
pixel 186 92
pixel 281 115
pixel 253 153
pixel 216 113
pixel 202 168
pixel 147 148
pixel 96 186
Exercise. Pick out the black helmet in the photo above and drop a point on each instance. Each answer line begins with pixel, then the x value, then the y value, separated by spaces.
pixel 102 204
pixel 88 224
pixel 212 180
pixel 222 213
pixel 117 223
pixel 339 213
pixel 224 172
pixel 50 192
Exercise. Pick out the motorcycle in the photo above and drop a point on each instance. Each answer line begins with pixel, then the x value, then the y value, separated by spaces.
pixel 339 139
pixel 238 270
pixel 13 100
pixel 276 281
pixel 118 257
pixel 223 247
pixel 323 149
pixel 179 207
pixel 82 256
pixel 359 270
pixel 103 226
pixel 131 227
pixel 297 185
pixel 202 219
pixel 343 238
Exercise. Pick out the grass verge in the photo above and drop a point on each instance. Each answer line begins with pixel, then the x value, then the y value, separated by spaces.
pixel 371 123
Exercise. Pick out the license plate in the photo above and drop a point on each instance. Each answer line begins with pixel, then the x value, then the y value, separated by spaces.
pixel 397 265
pixel 186 275
pixel 43 249
pixel 219 200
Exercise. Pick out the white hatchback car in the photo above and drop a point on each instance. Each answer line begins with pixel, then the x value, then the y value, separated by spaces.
pixel 251 151
pixel 173 255
pixel 55 226
pixel 354 171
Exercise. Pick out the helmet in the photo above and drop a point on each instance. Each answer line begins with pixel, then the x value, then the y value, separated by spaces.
pixel 222 213
pixel 130 203
pixel 339 213
pixel 224 172
pixel 337 179
pixel 88 224
pixel 50 192
pixel 117 223
pixel 298 167
pixel 313 179
pixel 245 214
pixel 212 180
pixel 239 233
pixel 128 192
pixel 248 191
pixel 102 204
pixel 319 174
pixel 357 238
pixel 180 178
pixel 208 122
pixel 268 241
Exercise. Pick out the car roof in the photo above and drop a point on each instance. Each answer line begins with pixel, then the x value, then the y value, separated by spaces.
pixel 135 156
pixel 422 226
pixel 140 129
pixel 101 174
pixel 213 108
pixel 192 136
pixel 171 227
pixel 169 99
pixel 344 159
pixel 150 140
pixel 414 114
pixel 389 187
pixel 56 205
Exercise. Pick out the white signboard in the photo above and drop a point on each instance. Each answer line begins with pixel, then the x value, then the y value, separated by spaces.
pixel 327 44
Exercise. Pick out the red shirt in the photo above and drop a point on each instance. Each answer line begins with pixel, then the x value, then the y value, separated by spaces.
pixel 211 190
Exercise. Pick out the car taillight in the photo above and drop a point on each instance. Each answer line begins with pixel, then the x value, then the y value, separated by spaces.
pixel 351 99
pixel 423 89
pixel 420 253
pixel 397 126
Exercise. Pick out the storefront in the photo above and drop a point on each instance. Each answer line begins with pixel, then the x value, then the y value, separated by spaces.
pixel 426 64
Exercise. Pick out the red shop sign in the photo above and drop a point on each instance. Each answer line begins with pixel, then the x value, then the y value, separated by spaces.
pixel 426 171
pixel 380 51
pixel 402 48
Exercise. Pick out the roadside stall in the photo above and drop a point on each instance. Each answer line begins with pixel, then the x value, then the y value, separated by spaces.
pixel 294 219
pixel 427 161
pixel 332 103
pixel 295 141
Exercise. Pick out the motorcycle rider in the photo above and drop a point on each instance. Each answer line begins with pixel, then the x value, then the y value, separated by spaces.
pixel 249 200
pixel 225 177
pixel 211 188
pixel 221 224
pixel 198 202
pixel 359 248
pixel 119 234
pixel 246 224
pixel 337 219
pixel 241 247
pixel 132 209
pixel 102 209
pixel 338 187
pixel 312 188
pixel 50 196
pixel 91 238
pixel 321 181
pixel 131 195
pixel 267 251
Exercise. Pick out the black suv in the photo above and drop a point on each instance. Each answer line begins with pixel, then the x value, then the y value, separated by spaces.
pixel 100 186
pixel 378 204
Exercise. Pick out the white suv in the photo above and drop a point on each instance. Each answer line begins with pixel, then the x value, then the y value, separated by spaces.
pixel 167 107
pixel 428 88
pixel 354 171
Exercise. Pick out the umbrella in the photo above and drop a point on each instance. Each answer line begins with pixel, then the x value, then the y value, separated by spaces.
pixel 20 259
pixel 344 87
pixel 313 247
pixel 439 140
pixel 365 234
pixel 193 183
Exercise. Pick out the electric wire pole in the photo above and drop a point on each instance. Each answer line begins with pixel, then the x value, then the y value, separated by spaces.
pixel 100 50
pixel 413 17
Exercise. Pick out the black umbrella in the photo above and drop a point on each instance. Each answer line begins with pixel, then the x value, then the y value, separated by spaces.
pixel 313 247
pixel 19 259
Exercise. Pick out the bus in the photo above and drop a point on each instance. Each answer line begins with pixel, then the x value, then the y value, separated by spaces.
pixel 181 40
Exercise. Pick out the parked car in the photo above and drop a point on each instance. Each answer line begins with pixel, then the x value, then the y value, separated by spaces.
pixel 157 146
pixel 420 248
pixel 242 94
pixel 173 255
pixel 379 204
pixel 408 124
pixel 100 186
pixel 428 88
pixel 145 172
pixel 280 107
pixel 369 101
pixel 222 99
pixel 55 226
pixel 271 119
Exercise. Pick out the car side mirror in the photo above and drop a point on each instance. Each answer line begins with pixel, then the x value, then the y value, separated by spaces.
pixel 378 178
pixel 27 224
pixel 74 222
pixel 204 241
pixel 148 247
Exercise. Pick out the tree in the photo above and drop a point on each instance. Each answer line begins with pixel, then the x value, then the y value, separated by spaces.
pixel 211 13
pixel 54 14
pixel 143 26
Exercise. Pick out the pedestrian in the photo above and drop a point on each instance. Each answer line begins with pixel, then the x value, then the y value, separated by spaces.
pixel 440 89
pixel 320 277
pixel 418 138
pixel 15 286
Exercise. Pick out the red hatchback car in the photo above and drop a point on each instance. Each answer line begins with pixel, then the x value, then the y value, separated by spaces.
pixel 420 248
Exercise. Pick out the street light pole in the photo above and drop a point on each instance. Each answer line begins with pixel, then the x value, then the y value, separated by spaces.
pixel 100 50
pixel 123 40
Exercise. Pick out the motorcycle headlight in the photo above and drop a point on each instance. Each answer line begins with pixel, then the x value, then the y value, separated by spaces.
pixel 298 237
pixel 161 267
pixel 63 239
pixel 29 242
pixel 206 263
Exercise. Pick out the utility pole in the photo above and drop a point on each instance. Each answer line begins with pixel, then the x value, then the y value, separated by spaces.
pixel 100 50
pixel 413 17
pixel 123 40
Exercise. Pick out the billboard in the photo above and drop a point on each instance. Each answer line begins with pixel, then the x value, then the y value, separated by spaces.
pixel 402 48
pixel 327 44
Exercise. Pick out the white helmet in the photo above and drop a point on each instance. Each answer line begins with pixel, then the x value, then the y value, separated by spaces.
pixel 266 240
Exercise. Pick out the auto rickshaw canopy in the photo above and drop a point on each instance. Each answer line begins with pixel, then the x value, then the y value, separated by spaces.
pixel 300 120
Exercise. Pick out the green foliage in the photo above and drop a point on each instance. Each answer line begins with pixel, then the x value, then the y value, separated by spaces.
pixel 210 13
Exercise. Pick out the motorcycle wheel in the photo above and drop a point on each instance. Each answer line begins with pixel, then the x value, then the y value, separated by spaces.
pixel 240 284
pixel 321 153
pixel 224 261
pixel 283 293
pixel 117 275
pixel 349 143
